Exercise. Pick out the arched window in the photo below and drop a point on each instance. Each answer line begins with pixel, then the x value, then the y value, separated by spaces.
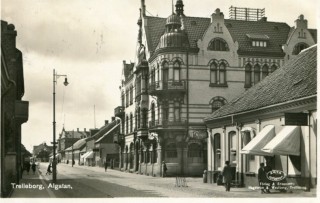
pixel 222 73
pixel 194 150
pixel 213 73
pixel 256 73
pixel 248 70
pixel 165 74
pixel 218 44
pixel 217 102
pixel 273 68
pixel 176 71
pixel 131 123
pixel 171 151
pixel 217 150
pixel 265 71
pixel 299 47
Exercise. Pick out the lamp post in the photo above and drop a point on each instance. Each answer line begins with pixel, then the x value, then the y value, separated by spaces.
pixel 54 166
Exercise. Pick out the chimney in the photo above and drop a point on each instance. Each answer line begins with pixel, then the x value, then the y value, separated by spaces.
pixel 263 19
pixel 77 129
pixel 113 118
pixel 301 22
pixel 85 130
pixel 217 17
pixel 106 122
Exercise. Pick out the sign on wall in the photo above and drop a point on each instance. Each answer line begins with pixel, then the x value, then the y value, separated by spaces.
pixel 298 119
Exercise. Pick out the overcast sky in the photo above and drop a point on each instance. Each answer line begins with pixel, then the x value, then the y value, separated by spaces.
pixel 88 40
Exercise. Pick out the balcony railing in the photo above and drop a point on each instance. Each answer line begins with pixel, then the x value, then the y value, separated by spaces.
pixel 119 111
pixel 167 85
pixel 166 123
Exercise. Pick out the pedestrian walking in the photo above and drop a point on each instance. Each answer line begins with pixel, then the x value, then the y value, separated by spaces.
pixel 33 166
pixel 227 175
pixel 164 165
pixel 105 166
pixel 28 167
pixel 49 169
pixel 262 178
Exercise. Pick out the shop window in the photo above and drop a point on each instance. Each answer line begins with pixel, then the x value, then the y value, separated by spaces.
pixel 171 151
pixel 131 156
pixel 232 147
pixel 218 44
pixel 248 70
pixel 217 150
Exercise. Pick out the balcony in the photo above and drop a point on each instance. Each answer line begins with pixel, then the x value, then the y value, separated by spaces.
pixel 119 111
pixel 165 123
pixel 161 87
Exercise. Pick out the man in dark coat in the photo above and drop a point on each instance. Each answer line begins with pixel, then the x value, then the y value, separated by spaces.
pixel 262 178
pixel 164 165
pixel 227 175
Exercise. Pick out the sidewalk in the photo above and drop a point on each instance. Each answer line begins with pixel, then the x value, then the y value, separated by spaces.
pixel 31 186
pixel 196 185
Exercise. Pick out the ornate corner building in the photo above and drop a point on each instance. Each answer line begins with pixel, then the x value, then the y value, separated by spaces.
pixel 186 68
pixel 14 111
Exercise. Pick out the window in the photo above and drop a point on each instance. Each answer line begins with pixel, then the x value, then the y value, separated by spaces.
pixel 131 95
pixel 165 112
pixel 155 152
pixel 217 150
pixel 144 118
pixel 176 71
pixel 259 43
pixel 194 150
pixel 273 68
pixel 265 71
pixel 218 74
pixel 217 102
pixel 127 125
pixel 131 123
pixel 213 73
pixel 218 44
pixel 222 73
pixel 127 98
pixel 139 118
pixel 177 111
pixel 250 165
pixel 248 70
pixel 256 74
pixel 138 86
pixel 232 146
pixel 153 114
pixel 298 48
pixel 171 151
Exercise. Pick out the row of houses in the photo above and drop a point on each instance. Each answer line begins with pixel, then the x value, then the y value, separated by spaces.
pixel 91 148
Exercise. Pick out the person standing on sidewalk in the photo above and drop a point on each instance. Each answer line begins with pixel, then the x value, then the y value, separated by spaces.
pixel 164 169
pixel 105 166
pixel 227 176
pixel 262 178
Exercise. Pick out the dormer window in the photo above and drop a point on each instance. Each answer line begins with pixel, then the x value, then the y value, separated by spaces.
pixel 258 40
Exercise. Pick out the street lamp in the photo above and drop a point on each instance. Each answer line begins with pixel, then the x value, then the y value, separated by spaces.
pixel 54 165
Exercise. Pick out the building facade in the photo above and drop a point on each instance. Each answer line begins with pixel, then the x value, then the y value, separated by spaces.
pixel 14 111
pixel 186 68
pixel 274 122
